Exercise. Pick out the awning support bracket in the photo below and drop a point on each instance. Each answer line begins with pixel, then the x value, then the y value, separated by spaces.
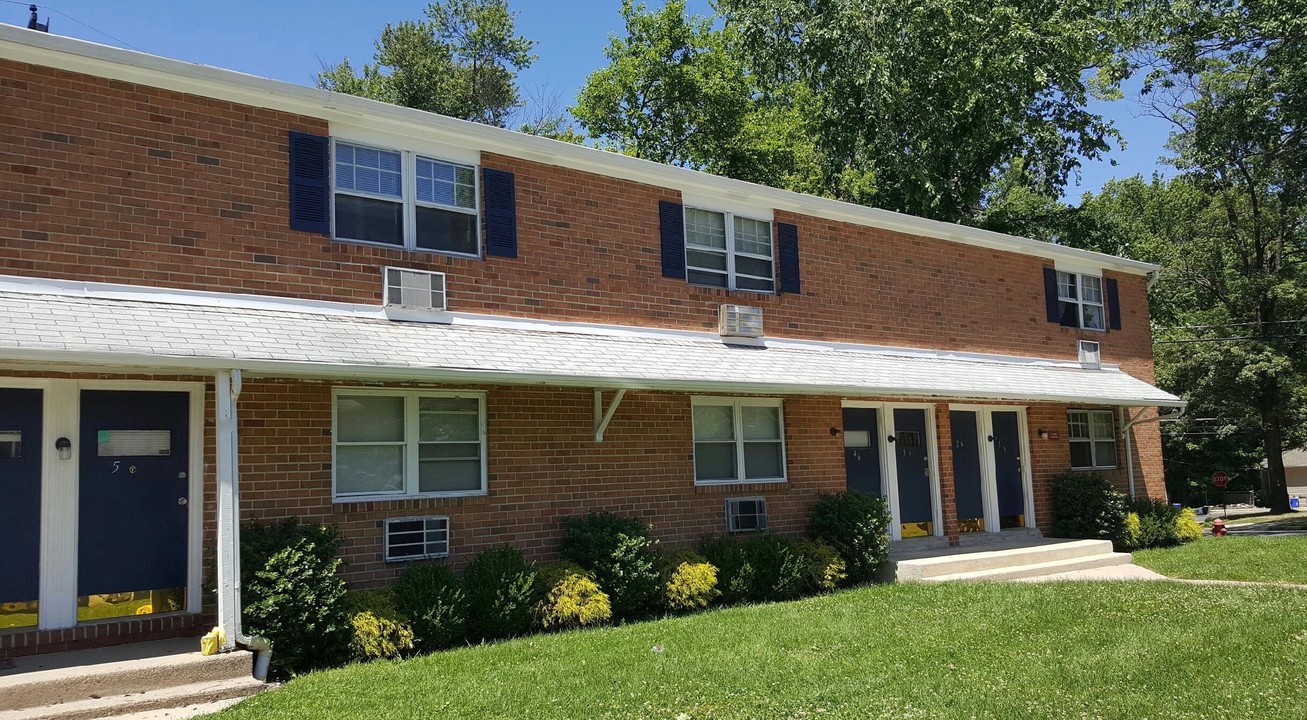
pixel 602 416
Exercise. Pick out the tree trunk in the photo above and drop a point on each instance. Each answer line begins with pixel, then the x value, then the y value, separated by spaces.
pixel 1277 490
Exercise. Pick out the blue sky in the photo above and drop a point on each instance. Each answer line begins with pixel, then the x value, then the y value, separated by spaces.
pixel 289 41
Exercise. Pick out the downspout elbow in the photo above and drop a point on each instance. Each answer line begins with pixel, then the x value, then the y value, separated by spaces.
pixel 262 650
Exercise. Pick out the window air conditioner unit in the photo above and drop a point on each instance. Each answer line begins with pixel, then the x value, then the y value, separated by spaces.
pixel 739 321
pixel 414 289
pixel 1089 353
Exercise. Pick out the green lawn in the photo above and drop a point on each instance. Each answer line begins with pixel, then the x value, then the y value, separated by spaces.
pixel 1056 650
pixel 1263 559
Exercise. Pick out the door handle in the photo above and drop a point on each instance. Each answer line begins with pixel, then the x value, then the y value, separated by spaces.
pixel 183 501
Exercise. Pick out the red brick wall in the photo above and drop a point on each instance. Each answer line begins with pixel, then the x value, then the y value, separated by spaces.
pixel 105 180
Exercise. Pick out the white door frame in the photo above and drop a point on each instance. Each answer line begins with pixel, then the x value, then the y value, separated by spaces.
pixel 889 475
pixel 988 463
pixel 61 417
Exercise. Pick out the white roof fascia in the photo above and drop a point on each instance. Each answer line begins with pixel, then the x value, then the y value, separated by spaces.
pixel 22 45
pixel 203 298
pixel 186 364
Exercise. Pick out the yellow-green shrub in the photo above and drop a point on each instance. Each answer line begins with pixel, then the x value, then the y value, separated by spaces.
pixel 379 630
pixel 1133 530
pixel 689 581
pixel 1187 528
pixel 571 598
pixel 826 569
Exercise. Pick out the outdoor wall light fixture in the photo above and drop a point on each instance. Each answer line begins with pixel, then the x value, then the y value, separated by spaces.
pixel 65 448
pixel 1043 434
pixel 835 431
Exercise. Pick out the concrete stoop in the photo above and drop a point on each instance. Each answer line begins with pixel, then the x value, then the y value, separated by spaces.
pixel 123 680
pixel 1034 560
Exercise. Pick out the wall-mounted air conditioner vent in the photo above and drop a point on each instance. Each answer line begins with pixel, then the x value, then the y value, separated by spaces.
pixel 415 538
pixel 746 514
pixel 1089 354
pixel 414 289
pixel 739 321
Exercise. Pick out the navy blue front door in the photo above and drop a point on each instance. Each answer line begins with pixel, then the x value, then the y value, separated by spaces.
pixel 967 486
pixel 862 450
pixel 1007 469
pixel 20 505
pixel 133 499
pixel 912 461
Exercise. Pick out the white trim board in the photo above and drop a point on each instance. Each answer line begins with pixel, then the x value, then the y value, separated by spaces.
pixel 80 56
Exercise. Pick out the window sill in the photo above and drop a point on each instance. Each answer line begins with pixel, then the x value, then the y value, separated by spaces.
pixel 417 558
pixel 401 248
pixel 1094 469
pixel 730 291
pixel 353 499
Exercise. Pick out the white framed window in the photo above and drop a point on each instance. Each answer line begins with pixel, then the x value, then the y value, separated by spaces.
pixel 1093 439
pixel 403 199
pixel 729 251
pixel 746 514
pixel 415 538
pixel 738 440
pixel 1081 300
pixel 407 443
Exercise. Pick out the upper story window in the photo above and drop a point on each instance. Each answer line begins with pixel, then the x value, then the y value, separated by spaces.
pixel 395 444
pixel 1081 299
pixel 1093 441
pixel 728 251
pixel 404 199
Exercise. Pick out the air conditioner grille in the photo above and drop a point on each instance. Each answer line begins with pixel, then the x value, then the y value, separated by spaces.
pixel 739 321
pixel 415 289
pixel 1090 353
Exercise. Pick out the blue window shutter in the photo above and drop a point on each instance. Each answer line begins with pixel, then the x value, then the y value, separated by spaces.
pixel 309 183
pixel 501 212
pixel 787 242
pixel 1053 307
pixel 1113 305
pixel 671 231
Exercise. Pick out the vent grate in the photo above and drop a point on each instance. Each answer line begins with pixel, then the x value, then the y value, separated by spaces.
pixel 1090 354
pixel 739 321
pixel 746 514
pixel 415 289
pixel 416 538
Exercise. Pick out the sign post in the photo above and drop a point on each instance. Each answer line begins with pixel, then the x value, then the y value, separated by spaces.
pixel 1220 479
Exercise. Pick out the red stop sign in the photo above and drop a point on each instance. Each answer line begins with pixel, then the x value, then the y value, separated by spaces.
pixel 1220 479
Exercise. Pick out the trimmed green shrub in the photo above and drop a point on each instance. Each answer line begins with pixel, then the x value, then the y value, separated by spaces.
pixel 620 554
pixel 1130 537
pixel 856 525
pixel 1086 506
pixel 570 598
pixel 500 587
pixel 689 581
pixel 260 541
pixel 299 609
pixel 825 569
pixel 379 630
pixel 1187 528
pixel 1157 523
pixel 760 568
pixel 434 604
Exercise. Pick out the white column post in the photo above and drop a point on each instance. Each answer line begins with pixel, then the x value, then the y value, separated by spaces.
pixel 226 389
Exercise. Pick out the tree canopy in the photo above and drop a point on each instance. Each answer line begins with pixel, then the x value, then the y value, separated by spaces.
pixel 461 61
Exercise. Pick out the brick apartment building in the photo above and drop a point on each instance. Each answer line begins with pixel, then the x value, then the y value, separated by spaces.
pixel 442 337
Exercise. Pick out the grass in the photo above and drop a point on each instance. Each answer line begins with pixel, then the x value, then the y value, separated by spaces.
pixel 1056 650
pixel 1244 557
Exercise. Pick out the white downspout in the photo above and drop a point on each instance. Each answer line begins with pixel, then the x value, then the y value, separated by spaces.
pixel 227 388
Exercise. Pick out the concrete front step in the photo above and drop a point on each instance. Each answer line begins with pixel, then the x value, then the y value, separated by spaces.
pixel 957 562
pixel 179 697
pixel 126 678
pixel 1040 569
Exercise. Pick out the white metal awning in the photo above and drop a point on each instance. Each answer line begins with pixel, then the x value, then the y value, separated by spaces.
pixel 265 338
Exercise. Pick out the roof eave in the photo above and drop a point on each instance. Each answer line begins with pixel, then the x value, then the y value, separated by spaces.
pixel 190 365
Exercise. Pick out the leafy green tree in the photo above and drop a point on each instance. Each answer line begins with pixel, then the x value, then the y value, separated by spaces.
pixel 919 104
pixel 676 91
pixel 1231 75
pixel 461 61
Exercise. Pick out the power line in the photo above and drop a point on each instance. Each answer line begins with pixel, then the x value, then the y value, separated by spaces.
pixel 79 22
pixel 1230 339
pixel 1232 324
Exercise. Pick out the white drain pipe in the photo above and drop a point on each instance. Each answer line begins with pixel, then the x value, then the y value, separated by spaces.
pixel 227 388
